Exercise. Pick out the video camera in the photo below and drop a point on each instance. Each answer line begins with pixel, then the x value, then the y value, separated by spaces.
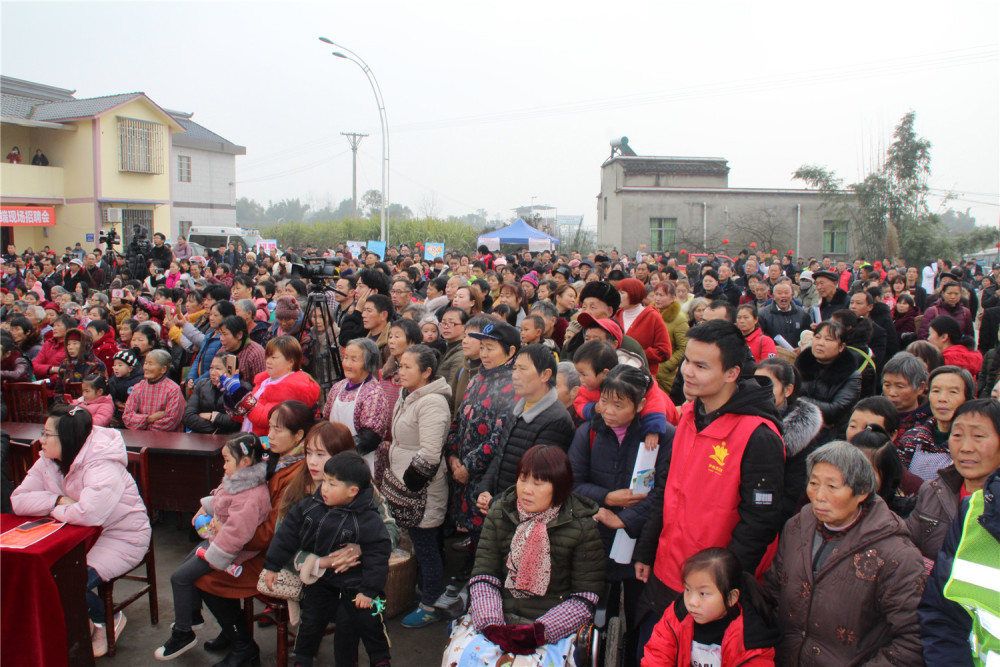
pixel 110 238
pixel 317 270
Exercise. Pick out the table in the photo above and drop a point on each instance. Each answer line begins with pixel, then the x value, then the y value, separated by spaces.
pixel 40 584
pixel 183 467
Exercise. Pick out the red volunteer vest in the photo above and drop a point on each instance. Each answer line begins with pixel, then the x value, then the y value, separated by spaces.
pixel 703 490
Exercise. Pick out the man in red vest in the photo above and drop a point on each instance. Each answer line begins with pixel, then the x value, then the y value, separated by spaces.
pixel 726 475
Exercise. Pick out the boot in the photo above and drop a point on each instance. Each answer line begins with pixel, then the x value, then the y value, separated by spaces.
pixel 245 652
pixel 219 644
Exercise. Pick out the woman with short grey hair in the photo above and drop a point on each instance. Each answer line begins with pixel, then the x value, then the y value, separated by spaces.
pixel 359 401
pixel 904 382
pixel 846 576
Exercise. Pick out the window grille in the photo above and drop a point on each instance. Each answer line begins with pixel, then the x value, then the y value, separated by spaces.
pixel 184 168
pixel 140 146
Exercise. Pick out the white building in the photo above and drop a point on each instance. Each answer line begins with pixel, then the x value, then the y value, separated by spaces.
pixel 203 177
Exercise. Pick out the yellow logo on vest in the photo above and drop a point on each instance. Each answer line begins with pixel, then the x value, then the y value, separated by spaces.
pixel 719 455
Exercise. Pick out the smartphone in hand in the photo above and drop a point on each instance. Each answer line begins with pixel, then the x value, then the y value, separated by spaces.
pixel 232 367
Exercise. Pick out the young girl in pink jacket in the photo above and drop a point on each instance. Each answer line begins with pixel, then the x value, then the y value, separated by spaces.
pixel 96 399
pixel 239 504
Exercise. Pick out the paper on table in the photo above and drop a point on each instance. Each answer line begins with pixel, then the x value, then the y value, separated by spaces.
pixel 780 340
pixel 643 476
pixel 16 539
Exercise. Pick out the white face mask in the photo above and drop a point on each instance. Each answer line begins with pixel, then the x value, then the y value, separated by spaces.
pixel 805 284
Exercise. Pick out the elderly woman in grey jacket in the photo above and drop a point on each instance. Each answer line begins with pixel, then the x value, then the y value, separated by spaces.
pixel 409 473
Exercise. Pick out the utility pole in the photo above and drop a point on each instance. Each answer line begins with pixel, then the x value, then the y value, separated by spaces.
pixel 353 138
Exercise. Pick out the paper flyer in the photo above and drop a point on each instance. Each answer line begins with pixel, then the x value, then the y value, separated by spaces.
pixel 643 477
pixel 17 539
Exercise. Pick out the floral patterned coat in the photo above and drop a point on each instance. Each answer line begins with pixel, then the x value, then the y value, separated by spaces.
pixel 371 410
pixel 861 606
pixel 475 435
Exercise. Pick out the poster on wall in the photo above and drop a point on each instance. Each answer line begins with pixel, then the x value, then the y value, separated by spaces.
pixel 266 245
pixel 27 216
pixel 354 247
pixel 433 249
pixel 537 245
pixel 492 243
pixel 377 247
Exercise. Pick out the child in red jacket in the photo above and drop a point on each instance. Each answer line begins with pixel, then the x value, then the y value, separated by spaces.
pixel 723 619
pixel 593 361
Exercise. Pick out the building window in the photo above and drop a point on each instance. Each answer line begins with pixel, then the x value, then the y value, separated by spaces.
pixel 136 216
pixel 662 232
pixel 835 237
pixel 605 208
pixel 140 146
pixel 184 168
pixel 184 227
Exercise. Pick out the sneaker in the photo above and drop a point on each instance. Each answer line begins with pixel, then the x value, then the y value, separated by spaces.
pixel 99 640
pixel 179 642
pixel 420 617
pixel 452 602
pixel 120 622
pixel 462 546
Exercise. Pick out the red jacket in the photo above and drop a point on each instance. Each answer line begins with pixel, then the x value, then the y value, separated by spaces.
pixel 761 346
pixel 670 645
pixel 105 349
pixel 702 493
pixel 649 331
pixel 46 362
pixel 299 386
pixel 963 357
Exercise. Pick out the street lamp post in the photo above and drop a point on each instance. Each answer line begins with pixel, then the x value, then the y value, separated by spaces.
pixel 347 54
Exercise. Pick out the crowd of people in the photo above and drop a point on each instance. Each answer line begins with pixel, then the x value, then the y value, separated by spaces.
pixel 751 460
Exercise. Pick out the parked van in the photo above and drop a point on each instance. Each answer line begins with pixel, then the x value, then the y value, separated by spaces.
pixel 201 238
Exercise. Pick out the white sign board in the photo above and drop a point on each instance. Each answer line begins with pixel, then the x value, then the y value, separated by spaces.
pixel 266 245
pixel 491 242
pixel 539 244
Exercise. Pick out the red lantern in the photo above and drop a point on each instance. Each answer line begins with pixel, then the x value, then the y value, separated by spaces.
pixel 773 251
pixel 753 245
pixel 684 252
pixel 790 252
pixel 726 241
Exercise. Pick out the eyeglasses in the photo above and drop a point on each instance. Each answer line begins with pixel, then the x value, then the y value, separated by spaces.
pixel 398 292
pixel 43 434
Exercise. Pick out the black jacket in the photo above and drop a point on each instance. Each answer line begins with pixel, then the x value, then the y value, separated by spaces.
pixel 833 387
pixel 882 315
pixel 762 467
pixel 546 423
pixel 316 528
pixel 351 327
pixel 206 398
pixel 839 301
pixel 801 423
pixel 789 325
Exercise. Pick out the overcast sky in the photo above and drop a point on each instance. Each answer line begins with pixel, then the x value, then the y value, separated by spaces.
pixel 494 106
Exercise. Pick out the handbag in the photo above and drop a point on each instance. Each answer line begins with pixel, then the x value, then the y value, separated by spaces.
pixel 288 586
pixel 406 506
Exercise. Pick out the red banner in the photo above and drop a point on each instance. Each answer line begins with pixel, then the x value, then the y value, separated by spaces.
pixel 27 216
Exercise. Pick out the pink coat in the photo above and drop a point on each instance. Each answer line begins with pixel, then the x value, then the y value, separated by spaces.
pixel 106 496
pixel 102 409
pixel 240 504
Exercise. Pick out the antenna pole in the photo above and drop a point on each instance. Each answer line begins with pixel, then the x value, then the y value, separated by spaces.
pixel 354 139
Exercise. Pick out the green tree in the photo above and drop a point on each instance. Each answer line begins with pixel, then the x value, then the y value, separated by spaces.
pixel 888 209
pixel 249 212
pixel 287 210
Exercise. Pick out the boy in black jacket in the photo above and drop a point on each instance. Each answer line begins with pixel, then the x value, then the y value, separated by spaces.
pixel 340 512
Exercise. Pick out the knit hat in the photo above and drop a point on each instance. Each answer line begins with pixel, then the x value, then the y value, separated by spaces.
pixel 530 278
pixel 806 275
pixel 127 357
pixel 287 308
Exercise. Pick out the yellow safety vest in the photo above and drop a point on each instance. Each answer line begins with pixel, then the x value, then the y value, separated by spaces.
pixel 975 584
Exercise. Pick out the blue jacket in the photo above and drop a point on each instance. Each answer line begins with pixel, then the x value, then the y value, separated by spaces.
pixel 209 347
pixel 604 466
pixel 945 625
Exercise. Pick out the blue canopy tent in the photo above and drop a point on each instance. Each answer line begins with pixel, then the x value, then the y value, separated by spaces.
pixel 518 233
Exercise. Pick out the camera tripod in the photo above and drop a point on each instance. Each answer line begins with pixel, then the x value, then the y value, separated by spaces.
pixel 326 363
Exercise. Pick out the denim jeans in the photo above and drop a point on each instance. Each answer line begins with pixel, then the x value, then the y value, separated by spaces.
pixel 95 605
pixel 428 552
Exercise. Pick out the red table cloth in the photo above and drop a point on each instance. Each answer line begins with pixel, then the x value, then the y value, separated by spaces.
pixel 32 619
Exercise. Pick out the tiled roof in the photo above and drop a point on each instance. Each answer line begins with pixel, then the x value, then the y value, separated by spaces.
pixel 675 166
pixel 195 131
pixel 14 106
pixel 86 108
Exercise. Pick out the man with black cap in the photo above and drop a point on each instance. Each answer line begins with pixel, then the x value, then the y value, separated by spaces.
pixel 601 301
pixel 833 298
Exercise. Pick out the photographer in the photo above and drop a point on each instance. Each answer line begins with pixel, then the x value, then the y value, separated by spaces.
pixel 159 253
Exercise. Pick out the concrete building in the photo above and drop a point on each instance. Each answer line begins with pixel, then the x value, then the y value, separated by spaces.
pixel 113 161
pixel 204 176
pixel 656 204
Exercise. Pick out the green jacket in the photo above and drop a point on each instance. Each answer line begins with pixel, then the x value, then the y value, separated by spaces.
pixel 575 548
pixel 677 326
